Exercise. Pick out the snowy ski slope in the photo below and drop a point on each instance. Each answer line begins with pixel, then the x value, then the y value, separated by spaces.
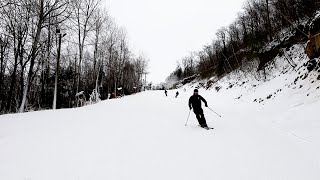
pixel 143 137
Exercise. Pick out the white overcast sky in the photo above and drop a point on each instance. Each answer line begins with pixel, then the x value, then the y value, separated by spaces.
pixel 167 30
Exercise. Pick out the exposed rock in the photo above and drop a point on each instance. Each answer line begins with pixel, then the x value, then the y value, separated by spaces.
pixel 305 76
pixel 269 97
pixel 218 88
pixel 313 46
pixel 209 83
pixel 312 64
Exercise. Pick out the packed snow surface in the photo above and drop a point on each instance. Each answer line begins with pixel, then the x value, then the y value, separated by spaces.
pixel 144 137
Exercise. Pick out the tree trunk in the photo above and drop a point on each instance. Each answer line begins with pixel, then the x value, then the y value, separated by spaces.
pixel 269 22
pixel 45 64
pixel 57 76
pixel 80 55
pixel 12 84
pixel 32 57
pixel 2 51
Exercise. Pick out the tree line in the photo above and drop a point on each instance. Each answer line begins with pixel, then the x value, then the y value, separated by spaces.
pixel 260 22
pixel 73 46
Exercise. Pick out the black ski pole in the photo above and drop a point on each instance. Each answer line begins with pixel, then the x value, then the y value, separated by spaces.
pixel 188 118
pixel 215 112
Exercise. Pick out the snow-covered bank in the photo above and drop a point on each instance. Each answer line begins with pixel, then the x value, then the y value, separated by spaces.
pixel 289 93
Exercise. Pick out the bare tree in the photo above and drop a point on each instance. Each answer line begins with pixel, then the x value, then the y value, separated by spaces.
pixel 4 43
pixel 269 26
pixel 41 11
pixel 84 11
pixel 16 21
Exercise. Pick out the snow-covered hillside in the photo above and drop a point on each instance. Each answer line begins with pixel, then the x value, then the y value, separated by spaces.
pixel 268 130
pixel 290 93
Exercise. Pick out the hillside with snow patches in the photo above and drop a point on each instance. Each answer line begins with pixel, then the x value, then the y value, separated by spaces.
pixel 270 129
pixel 288 88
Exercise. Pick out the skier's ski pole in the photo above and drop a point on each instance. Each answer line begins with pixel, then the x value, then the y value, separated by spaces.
pixel 215 112
pixel 188 118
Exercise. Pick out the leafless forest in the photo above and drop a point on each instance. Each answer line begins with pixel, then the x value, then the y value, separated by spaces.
pixel 62 54
pixel 262 22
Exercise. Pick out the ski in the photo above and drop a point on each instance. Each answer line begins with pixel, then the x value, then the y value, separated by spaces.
pixel 207 128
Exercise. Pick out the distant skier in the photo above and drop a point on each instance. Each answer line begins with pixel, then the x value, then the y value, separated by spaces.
pixel 166 92
pixel 177 94
pixel 195 103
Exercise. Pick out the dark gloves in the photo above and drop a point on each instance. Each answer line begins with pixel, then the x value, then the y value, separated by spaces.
pixel 190 107
pixel 206 105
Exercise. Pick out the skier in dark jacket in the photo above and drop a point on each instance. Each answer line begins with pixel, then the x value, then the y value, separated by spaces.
pixel 195 103
pixel 177 94
pixel 166 92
